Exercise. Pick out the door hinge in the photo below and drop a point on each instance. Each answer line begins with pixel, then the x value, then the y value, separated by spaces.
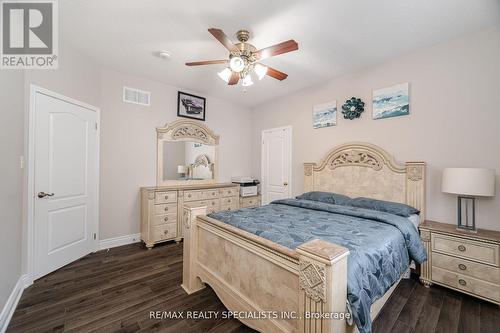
pixel 95 235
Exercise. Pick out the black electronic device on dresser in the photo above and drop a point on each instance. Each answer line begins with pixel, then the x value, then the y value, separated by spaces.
pixel 249 191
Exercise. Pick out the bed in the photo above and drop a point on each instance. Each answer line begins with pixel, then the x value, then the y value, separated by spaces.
pixel 276 283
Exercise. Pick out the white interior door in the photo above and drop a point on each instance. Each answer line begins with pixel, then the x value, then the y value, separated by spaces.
pixel 276 164
pixel 65 182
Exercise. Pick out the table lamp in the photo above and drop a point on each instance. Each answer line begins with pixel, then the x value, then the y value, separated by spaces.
pixel 468 183
pixel 181 169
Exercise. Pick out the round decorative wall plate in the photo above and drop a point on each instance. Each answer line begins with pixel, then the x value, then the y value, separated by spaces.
pixel 353 108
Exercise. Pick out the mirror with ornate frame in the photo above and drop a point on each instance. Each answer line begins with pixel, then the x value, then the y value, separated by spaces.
pixel 187 153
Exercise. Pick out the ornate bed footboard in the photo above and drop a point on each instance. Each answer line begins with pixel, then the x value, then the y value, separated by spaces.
pixel 268 287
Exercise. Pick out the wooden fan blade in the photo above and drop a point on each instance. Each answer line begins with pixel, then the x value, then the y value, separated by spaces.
pixel 275 73
pixel 208 62
pixel 235 77
pixel 271 51
pixel 222 37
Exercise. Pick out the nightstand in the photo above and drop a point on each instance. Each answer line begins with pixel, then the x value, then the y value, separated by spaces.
pixel 461 260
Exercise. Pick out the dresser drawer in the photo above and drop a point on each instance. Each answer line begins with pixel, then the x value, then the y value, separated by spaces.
pixel 165 197
pixel 468 284
pixel 210 194
pixel 466 267
pixel 250 202
pixel 228 192
pixel 165 209
pixel 164 232
pixel 232 206
pixel 209 203
pixel 192 196
pixel 213 204
pixel 164 219
pixel 465 248
pixel 228 201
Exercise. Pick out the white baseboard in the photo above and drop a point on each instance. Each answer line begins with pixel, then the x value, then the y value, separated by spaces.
pixel 119 241
pixel 10 306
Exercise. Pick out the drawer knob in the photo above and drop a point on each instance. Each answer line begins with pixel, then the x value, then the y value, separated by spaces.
pixel 165 232
pixel 166 197
pixel 462 267
pixel 213 193
pixel 165 219
pixel 462 282
pixel 461 248
pixel 189 195
pixel 228 200
pixel 166 209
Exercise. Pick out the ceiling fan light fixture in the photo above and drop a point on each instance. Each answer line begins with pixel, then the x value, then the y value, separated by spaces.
pixel 237 64
pixel 260 70
pixel 247 81
pixel 225 74
pixel 243 59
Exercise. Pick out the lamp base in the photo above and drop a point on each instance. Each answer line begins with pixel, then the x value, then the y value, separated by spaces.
pixel 466 230
pixel 466 213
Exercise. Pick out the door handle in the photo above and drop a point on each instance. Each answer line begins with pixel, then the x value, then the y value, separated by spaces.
pixel 43 195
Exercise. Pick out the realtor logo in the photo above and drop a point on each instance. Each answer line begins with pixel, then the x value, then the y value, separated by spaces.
pixel 29 34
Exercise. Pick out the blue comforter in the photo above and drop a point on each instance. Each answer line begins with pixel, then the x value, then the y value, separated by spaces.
pixel 381 244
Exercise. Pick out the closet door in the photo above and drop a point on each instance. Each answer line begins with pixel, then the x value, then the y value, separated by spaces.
pixel 276 164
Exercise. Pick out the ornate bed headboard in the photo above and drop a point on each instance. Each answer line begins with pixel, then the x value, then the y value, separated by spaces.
pixel 365 170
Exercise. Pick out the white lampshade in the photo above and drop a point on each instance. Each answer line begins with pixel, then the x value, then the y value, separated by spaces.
pixel 225 74
pixel 181 169
pixel 237 64
pixel 469 181
pixel 260 70
pixel 247 81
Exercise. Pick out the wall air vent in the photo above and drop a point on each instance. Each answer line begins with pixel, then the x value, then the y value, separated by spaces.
pixel 136 96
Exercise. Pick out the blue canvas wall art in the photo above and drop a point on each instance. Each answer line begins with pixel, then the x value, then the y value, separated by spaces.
pixel 392 101
pixel 325 115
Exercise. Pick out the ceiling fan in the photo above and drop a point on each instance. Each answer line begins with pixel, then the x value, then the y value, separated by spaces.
pixel 244 57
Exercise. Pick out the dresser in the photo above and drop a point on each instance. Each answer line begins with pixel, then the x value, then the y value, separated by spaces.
pixel 461 260
pixel 162 206
pixel 248 202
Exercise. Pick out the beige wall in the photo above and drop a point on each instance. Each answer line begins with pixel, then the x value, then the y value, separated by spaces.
pixel 11 148
pixel 128 145
pixel 443 129
pixel 454 121
pixel 77 77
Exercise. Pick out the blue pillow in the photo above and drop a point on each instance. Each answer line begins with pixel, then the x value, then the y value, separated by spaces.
pixel 384 206
pixel 326 197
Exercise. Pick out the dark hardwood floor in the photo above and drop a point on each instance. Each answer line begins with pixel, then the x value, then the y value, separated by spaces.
pixel 115 290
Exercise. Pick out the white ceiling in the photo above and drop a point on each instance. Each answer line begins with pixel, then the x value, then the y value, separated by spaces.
pixel 335 37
